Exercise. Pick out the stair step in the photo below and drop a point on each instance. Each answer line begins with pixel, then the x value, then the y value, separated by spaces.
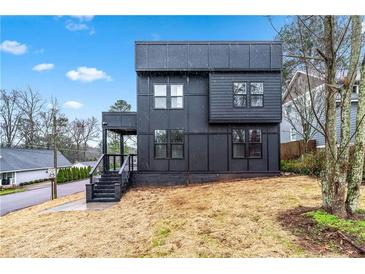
pixel 104 186
pixel 103 195
pixel 104 200
pixel 105 190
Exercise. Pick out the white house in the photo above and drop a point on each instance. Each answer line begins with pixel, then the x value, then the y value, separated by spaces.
pixel 18 165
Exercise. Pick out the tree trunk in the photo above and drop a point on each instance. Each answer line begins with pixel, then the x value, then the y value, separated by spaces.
pixel 356 171
pixel 329 200
pixel 343 157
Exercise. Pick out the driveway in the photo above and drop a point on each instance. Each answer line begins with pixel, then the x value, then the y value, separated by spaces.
pixel 37 195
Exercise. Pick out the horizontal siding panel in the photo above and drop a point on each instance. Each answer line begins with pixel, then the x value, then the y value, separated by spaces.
pixel 221 98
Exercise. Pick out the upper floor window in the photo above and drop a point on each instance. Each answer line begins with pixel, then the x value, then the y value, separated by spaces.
pixel 254 143
pixel 160 96
pixel 257 94
pixel 174 92
pixel 160 144
pixel 238 143
pixel 177 96
pixel 239 95
pixel 177 143
pixel 355 89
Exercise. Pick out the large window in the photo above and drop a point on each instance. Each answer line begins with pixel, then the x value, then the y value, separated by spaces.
pixel 160 144
pixel 238 143
pixel 177 96
pixel 254 143
pixel 169 144
pixel 160 96
pixel 239 95
pixel 177 143
pixel 257 94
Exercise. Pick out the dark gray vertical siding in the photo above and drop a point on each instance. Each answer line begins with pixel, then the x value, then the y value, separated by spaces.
pixel 221 108
pixel 190 56
pixel 208 147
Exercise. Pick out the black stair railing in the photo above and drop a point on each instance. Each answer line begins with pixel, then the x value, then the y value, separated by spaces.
pixel 118 164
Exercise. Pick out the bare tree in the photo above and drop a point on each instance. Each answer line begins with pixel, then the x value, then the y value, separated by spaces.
pixel 91 133
pixel 328 48
pixel 10 118
pixel 298 112
pixel 357 164
pixel 31 104
pixel 346 93
pixel 81 132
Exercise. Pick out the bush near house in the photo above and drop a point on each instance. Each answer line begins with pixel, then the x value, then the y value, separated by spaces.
pixel 74 173
pixel 308 164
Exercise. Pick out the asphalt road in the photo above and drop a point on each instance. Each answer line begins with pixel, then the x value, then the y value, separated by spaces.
pixel 16 201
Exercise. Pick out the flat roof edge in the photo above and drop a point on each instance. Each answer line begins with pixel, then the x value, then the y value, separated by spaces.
pixel 187 42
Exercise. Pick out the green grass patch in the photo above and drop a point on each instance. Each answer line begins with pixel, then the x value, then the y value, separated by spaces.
pixel 354 228
pixel 7 191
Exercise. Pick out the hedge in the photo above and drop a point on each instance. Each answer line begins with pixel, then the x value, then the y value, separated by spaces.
pixel 72 173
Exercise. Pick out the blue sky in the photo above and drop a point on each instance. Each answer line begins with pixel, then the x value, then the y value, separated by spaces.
pixel 90 60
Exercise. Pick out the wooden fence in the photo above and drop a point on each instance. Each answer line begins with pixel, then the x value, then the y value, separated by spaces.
pixel 295 149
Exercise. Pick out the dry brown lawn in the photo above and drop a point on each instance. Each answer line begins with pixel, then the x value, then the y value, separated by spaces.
pixel 228 219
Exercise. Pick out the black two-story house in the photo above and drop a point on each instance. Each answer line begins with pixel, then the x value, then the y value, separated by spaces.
pixel 205 111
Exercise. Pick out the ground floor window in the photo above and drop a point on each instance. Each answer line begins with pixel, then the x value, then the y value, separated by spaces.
pixel 160 144
pixel 255 143
pixel 241 148
pixel 238 143
pixel 177 143
pixel 169 144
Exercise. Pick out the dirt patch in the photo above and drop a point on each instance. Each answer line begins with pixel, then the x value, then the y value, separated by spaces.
pixel 230 219
pixel 317 240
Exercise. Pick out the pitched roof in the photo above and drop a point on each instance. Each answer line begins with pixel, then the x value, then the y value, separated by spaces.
pixel 12 159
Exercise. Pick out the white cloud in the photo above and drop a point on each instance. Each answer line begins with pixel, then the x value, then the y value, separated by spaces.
pixel 43 67
pixel 73 26
pixel 13 47
pixel 72 105
pixel 85 18
pixel 80 23
pixel 86 74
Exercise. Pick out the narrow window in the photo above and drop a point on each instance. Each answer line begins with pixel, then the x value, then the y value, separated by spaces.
pixel 177 96
pixel 177 143
pixel 255 143
pixel 239 95
pixel 238 143
pixel 160 144
pixel 257 94
pixel 160 96
pixel 293 134
pixel 355 89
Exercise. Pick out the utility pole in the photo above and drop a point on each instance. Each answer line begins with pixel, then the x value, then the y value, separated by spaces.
pixel 54 180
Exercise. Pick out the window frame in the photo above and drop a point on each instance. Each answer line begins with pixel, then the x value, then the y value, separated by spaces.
pixel 171 144
pixel 155 143
pixel 257 95
pixel 158 96
pixel 249 143
pixel 243 95
pixel 182 96
pixel 244 144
